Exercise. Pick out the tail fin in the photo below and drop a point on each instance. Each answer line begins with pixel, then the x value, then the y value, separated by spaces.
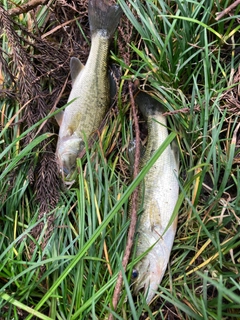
pixel 148 105
pixel 103 16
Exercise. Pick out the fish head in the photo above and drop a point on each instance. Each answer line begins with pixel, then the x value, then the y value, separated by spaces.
pixel 68 149
pixel 145 277
pixel 148 273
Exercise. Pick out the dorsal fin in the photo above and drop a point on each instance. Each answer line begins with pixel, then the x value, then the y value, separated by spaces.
pixel 76 67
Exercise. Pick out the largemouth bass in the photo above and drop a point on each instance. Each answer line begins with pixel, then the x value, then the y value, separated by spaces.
pixel 90 94
pixel 161 194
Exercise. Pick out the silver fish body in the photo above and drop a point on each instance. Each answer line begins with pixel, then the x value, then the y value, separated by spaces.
pixel 161 194
pixel 89 97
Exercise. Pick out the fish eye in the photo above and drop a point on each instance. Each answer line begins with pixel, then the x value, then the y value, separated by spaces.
pixel 134 274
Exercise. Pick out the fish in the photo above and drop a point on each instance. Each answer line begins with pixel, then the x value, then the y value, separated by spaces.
pixel 90 94
pixel 161 189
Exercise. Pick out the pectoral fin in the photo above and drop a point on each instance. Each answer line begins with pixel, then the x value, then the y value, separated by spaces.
pixel 76 67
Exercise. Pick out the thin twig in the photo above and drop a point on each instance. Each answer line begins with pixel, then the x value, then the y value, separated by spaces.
pixel 183 110
pixel 134 202
pixel 26 7
pixel 227 10
pixel 60 26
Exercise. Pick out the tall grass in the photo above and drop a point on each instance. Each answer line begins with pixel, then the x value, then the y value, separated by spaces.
pixel 187 58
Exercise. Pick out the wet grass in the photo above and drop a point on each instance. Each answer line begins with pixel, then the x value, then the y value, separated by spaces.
pixel 188 59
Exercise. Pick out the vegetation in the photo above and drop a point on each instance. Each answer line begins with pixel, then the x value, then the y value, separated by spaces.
pixel 61 250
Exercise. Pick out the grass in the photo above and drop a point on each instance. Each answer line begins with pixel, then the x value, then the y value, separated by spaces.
pixel 188 59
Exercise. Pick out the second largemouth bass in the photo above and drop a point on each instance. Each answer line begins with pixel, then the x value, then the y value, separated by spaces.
pixel 161 194
pixel 90 94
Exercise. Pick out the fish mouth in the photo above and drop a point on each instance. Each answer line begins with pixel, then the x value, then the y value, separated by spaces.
pixel 145 286
pixel 68 175
pixel 147 278
pixel 65 171
pixel 67 163
pixel 141 279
